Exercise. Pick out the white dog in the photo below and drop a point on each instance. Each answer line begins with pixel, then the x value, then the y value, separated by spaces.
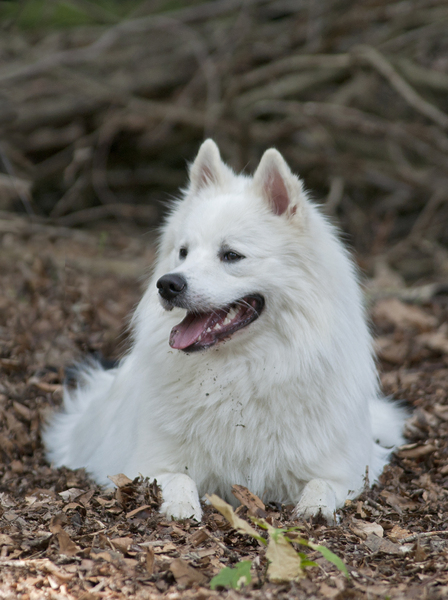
pixel 251 361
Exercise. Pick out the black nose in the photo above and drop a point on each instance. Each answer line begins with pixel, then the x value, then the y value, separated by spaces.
pixel 171 286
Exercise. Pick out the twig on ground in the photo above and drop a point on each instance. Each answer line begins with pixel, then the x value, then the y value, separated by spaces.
pixel 422 535
pixel 383 66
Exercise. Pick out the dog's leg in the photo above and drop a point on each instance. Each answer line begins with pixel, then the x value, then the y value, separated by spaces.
pixel 318 497
pixel 180 496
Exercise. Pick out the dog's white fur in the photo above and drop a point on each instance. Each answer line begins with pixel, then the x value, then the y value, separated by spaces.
pixel 289 406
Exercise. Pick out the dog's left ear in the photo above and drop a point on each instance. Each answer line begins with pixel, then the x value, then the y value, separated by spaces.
pixel 207 168
pixel 277 184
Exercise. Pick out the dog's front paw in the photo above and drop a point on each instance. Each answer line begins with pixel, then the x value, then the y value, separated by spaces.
pixel 182 509
pixel 318 498
pixel 180 497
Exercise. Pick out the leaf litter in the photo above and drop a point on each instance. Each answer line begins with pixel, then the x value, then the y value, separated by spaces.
pixel 62 536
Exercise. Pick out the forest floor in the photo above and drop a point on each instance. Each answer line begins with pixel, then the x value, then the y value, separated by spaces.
pixel 65 294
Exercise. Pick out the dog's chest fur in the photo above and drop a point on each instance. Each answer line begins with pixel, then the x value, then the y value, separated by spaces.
pixel 225 421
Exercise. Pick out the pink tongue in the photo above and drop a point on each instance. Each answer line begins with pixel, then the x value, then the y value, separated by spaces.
pixel 188 331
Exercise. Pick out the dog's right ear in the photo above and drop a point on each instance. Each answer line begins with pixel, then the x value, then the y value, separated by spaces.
pixel 277 185
pixel 207 168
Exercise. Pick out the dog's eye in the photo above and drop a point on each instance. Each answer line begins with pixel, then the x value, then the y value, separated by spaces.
pixel 183 253
pixel 231 256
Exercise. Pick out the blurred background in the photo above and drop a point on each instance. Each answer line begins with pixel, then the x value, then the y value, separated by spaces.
pixel 103 102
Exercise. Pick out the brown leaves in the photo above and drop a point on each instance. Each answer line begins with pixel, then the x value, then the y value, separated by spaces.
pixel 236 522
pixel 66 545
pixel 122 543
pixel 285 564
pixel 253 502
pixel 141 511
pixel 198 537
pixel 364 528
pixel 417 334
pixel 6 540
pixel 140 495
pixel 377 544
pixel 59 529
pixel 398 503
pixel 186 575
pixel 397 533
pixel 120 480
pixel 437 340
pixel 392 311
pixel 149 560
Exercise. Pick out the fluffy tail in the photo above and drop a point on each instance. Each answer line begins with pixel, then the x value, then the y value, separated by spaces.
pixel 64 445
pixel 387 422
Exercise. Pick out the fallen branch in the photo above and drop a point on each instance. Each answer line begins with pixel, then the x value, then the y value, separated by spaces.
pixel 110 115
pixel 383 66
pixel 147 214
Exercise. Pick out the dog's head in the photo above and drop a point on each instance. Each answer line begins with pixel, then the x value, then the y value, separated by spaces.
pixel 230 247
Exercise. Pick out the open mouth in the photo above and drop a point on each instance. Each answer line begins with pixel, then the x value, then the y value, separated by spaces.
pixel 202 330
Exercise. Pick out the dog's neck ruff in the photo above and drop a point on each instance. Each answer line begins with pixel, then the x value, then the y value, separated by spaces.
pixel 202 330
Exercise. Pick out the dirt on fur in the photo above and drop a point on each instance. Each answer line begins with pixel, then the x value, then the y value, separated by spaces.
pixel 69 294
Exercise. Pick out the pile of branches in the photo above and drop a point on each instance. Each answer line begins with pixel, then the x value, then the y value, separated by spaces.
pixel 98 121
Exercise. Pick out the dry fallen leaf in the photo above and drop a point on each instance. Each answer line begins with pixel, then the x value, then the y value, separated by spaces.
pixel 120 480
pixel 364 528
pixel 107 555
pixel 328 591
pixel 66 545
pixel 390 350
pixel 146 508
pixel 285 563
pixel 399 503
pixel 199 536
pixel 419 554
pixel 71 494
pixel 71 506
pixel 149 559
pixel 5 540
pixel 397 533
pixel 441 410
pixel 253 502
pixel 186 575
pixel 122 543
pixel 437 341
pixel 395 312
pixel 85 498
pixel 57 522
pixel 226 510
pixel 376 544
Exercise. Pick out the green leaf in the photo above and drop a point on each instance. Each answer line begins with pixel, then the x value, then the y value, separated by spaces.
pixel 285 563
pixel 331 557
pixel 234 577
pixel 305 561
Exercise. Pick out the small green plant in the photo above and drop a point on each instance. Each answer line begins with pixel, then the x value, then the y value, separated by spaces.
pixel 102 241
pixel 233 577
pixel 285 562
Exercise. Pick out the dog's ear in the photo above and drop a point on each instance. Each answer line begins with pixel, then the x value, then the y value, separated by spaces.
pixel 207 167
pixel 276 183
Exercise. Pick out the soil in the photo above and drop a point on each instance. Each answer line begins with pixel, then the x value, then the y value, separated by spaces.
pixel 69 294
